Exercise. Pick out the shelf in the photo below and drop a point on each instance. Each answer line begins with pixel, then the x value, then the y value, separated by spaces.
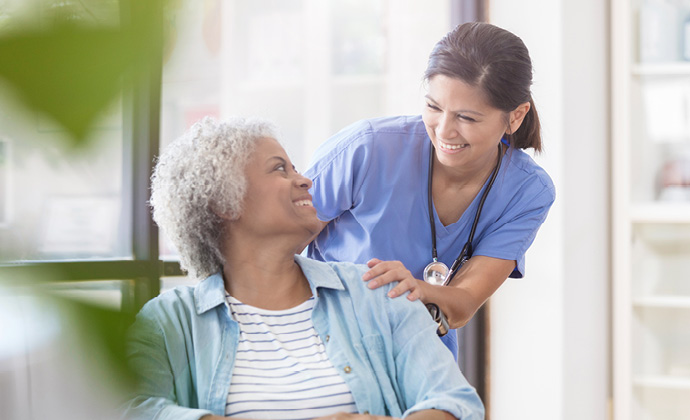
pixel 665 382
pixel 660 212
pixel 681 68
pixel 671 302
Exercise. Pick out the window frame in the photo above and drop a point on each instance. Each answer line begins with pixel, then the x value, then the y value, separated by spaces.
pixel 141 273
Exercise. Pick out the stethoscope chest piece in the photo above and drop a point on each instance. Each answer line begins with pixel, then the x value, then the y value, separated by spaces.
pixel 435 273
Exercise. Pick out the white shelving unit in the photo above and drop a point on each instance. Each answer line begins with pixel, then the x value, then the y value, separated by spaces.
pixel 655 212
pixel 651 222
pixel 661 69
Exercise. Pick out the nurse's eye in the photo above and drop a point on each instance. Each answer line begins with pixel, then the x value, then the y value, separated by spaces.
pixel 466 118
pixel 280 168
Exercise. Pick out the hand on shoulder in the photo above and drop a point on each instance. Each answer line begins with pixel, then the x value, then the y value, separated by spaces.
pixel 384 272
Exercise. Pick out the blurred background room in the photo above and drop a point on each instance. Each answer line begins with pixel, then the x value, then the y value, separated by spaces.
pixel 90 90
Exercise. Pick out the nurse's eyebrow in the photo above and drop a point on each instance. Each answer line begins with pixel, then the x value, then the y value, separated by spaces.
pixel 462 111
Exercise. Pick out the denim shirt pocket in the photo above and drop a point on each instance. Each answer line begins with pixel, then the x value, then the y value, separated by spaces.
pixel 384 371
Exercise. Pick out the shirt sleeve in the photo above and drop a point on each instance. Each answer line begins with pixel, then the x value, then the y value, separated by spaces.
pixel 339 168
pixel 155 394
pixel 427 374
pixel 514 232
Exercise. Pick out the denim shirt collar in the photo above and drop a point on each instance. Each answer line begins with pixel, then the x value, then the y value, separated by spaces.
pixel 211 291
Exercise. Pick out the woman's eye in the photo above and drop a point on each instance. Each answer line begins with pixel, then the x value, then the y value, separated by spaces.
pixel 434 107
pixel 466 118
pixel 280 168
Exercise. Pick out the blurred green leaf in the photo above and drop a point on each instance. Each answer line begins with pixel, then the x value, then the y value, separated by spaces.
pixel 102 329
pixel 105 330
pixel 72 71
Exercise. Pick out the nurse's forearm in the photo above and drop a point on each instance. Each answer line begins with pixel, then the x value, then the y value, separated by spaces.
pixel 476 281
pixel 457 304
pixel 430 415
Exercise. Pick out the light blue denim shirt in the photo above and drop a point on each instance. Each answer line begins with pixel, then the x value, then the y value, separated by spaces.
pixel 183 344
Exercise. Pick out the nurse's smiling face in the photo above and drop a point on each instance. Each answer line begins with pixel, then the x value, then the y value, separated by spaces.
pixel 463 127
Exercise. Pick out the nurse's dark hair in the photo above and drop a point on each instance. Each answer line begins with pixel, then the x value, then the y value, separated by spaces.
pixel 498 63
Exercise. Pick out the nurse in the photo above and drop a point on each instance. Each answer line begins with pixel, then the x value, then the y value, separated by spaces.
pixel 398 192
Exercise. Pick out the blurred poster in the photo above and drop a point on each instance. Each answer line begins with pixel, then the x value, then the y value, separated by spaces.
pixel 76 226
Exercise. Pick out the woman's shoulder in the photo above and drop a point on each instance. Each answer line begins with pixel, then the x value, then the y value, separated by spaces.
pixel 345 276
pixel 377 299
pixel 524 169
pixel 399 124
pixel 402 124
pixel 371 133
pixel 375 303
pixel 176 302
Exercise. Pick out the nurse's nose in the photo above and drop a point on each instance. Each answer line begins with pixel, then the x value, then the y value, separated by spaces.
pixel 446 127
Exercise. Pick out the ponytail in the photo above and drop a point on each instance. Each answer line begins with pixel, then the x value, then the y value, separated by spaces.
pixel 529 133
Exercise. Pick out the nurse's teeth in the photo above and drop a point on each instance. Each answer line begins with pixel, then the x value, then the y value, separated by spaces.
pixel 451 146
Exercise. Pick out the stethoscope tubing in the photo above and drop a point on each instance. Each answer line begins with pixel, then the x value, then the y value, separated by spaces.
pixel 466 252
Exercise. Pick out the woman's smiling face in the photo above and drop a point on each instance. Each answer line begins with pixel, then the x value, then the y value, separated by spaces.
pixel 277 199
pixel 463 127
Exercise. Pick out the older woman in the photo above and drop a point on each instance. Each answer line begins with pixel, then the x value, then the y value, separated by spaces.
pixel 267 333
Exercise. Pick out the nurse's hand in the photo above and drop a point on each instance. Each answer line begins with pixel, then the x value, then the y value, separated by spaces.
pixel 384 272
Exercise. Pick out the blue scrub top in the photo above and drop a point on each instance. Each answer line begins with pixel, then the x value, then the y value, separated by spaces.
pixel 370 182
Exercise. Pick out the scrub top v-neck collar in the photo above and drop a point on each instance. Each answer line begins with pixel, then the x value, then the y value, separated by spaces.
pixel 467 216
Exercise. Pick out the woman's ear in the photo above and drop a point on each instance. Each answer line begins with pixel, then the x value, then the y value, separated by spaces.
pixel 227 216
pixel 516 117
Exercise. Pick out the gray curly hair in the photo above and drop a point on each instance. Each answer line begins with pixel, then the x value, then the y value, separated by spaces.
pixel 198 177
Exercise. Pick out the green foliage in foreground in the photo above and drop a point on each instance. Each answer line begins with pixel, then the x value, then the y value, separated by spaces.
pixel 71 69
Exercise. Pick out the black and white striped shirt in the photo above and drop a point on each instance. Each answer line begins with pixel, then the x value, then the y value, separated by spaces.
pixel 281 367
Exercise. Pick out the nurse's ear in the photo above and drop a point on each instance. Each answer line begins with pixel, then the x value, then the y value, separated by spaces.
pixel 516 116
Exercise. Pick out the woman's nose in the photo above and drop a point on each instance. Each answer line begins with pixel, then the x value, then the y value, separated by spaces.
pixel 446 127
pixel 303 182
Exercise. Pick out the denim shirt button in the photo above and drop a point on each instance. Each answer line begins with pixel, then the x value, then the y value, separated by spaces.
pixel 347 369
pixel 365 412
pixel 328 337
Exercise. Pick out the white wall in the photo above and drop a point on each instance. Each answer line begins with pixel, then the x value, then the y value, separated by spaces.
pixel 549 331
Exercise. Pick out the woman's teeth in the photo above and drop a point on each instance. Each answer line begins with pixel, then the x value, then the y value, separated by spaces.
pixel 303 203
pixel 451 146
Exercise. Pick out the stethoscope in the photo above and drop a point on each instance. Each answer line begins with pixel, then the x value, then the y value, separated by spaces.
pixel 436 272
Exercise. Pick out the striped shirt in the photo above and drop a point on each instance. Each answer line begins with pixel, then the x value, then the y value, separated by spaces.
pixel 281 367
